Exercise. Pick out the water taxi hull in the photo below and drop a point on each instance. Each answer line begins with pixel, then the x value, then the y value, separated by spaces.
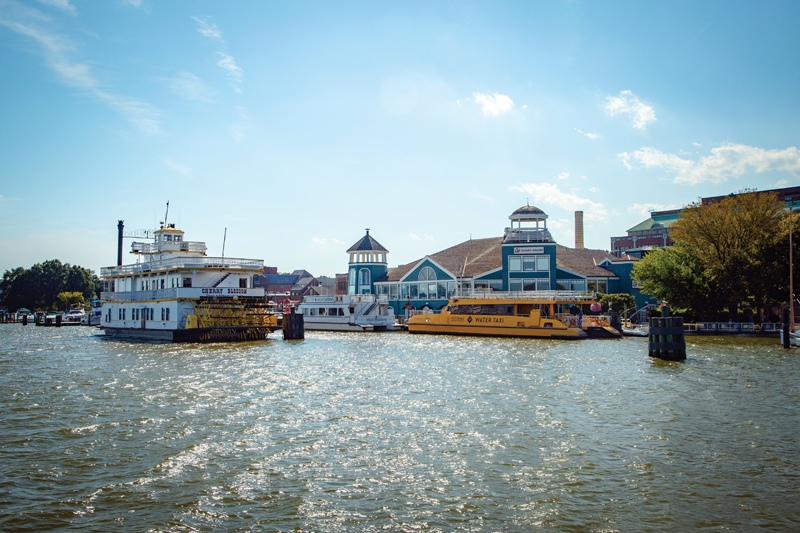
pixel 493 326
pixel 204 335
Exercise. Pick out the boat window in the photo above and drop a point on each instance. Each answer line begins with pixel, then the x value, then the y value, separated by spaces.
pixel 187 282
pixel 243 283
pixel 167 313
pixel 332 311
pixel 162 314
pixel 341 311
pixel 162 283
pixel 514 263
pixel 323 311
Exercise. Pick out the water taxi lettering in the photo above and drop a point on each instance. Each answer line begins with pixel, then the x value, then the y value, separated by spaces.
pixel 488 320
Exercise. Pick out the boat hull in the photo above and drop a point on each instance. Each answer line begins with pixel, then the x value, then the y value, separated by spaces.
pixel 342 326
pixel 204 335
pixel 434 327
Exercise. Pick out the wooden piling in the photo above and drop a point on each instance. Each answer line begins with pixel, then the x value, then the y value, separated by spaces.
pixel 786 329
pixel 293 326
pixel 667 337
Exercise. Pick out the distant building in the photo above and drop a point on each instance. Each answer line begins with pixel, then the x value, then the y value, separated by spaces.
pixel 651 233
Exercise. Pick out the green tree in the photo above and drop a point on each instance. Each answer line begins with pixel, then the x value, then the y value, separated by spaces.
pixel 617 302
pixel 68 299
pixel 39 286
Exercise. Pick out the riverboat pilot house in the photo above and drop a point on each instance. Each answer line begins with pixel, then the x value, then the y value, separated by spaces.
pixel 525 258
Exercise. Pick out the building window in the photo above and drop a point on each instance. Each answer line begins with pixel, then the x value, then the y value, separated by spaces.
pixel 514 263
pixel 529 264
pixel 515 285
pixel 543 263
pixel 413 290
pixel 364 281
pixel 427 274
pixel 542 284
pixel 351 285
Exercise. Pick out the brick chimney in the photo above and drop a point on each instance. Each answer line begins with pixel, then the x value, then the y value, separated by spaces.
pixel 579 230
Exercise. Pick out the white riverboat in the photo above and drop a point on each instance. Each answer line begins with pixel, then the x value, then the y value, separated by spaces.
pixel 344 312
pixel 175 293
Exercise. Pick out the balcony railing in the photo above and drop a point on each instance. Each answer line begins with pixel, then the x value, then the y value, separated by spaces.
pixel 184 263
pixel 527 235
pixel 168 246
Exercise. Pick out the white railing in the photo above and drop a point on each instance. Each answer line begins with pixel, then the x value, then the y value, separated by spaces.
pixel 168 246
pixel 184 263
pixel 546 296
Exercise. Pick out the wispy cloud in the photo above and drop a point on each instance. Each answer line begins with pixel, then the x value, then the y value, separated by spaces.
pixel 238 134
pixel 493 105
pixel 726 161
pixel 424 237
pixel 319 240
pixel 56 50
pixel 629 104
pixel 209 29
pixel 188 86
pixel 644 209
pixel 592 136
pixel 63 5
pixel 563 175
pixel 550 194
pixel 177 167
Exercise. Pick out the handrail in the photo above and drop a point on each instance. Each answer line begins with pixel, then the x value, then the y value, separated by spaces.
pixel 186 263
pixel 548 296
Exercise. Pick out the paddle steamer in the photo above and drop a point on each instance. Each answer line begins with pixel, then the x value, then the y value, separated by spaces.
pixel 176 293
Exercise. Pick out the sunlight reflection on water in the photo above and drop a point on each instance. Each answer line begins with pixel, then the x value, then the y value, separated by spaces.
pixel 349 432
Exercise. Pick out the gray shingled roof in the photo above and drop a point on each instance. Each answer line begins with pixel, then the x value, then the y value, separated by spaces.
pixel 528 210
pixel 367 244
pixel 483 255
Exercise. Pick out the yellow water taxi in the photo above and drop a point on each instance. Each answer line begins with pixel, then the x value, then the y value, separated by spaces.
pixel 539 314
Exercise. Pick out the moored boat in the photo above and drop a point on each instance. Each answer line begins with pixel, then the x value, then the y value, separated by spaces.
pixel 536 314
pixel 73 317
pixel 345 312
pixel 178 294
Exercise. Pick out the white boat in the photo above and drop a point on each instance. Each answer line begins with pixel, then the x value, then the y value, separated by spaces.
pixel 346 312
pixel 635 331
pixel 73 317
pixel 92 318
pixel 22 313
pixel 175 293
pixel 793 338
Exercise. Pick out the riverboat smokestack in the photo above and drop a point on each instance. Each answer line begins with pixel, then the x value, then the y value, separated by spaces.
pixel 579 230
pixel 120 225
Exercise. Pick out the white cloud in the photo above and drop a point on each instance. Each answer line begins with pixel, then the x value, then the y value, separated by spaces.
pixel 629 103
pixel 726 161
pixel 56 51
pixel 415 237
pixel 229 65
pixel 644 209
pixel 592 136
pixel 63 5
pixel 593 189
pixel 177 167
pixel 563 175
pixel 318 240
pixel 550 194
pixel 134 3
pixel 779 184
pixel 428 237
pixel 698 145
pixel 493 105
pixel 187 85
pixel 209 29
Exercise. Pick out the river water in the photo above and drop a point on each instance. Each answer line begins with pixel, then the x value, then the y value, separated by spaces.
pixel 395 432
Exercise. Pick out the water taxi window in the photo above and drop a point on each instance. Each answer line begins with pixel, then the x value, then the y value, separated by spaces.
pixel 514 263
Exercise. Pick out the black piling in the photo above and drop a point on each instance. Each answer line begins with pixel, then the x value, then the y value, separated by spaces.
pixel 25 320
pixel 293 326
pixel 667 337
pixel 58 320
pixel 786 329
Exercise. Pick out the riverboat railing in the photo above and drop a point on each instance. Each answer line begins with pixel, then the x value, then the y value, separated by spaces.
pixel 727 328
pixel 184 263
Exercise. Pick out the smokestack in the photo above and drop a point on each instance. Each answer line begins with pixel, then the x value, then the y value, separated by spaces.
pixel 579 230
pixel 119 242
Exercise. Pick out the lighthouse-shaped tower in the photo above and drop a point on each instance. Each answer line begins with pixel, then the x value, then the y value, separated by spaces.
pixel 529 252
pixel 367 263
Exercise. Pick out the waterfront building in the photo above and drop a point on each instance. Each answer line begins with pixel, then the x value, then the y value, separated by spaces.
pixel 525 258
pixel 647 235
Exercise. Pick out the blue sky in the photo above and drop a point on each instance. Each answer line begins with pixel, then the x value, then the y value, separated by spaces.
pixel 297 125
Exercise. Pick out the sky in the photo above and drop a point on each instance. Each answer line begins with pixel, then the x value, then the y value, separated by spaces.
pixel 285 129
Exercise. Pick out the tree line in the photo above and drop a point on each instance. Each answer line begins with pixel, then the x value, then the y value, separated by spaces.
pixel 730 259
pixel 48 286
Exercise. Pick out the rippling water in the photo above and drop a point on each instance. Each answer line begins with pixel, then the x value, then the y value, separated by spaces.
pixel 393 432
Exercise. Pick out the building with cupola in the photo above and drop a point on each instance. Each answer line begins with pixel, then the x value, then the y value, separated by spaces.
pixel 524 258
pixel 367 264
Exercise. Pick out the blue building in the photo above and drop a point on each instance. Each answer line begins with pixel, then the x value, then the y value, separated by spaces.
pixel 525 258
